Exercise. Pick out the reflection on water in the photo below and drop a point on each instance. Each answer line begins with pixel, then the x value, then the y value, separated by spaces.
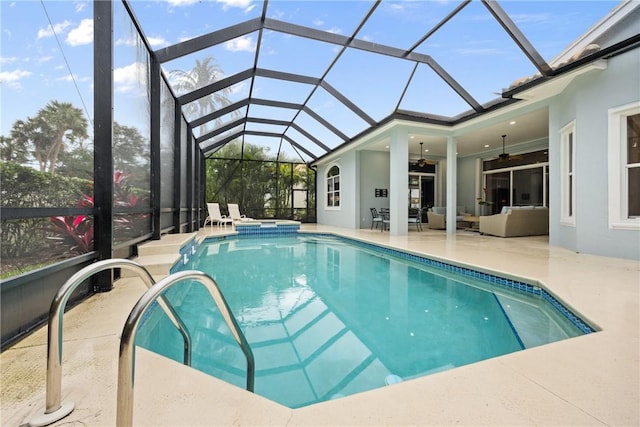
pixel 326 319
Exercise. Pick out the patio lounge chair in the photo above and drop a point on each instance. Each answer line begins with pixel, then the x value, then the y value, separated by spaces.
pixel 216 216
pixel 234 213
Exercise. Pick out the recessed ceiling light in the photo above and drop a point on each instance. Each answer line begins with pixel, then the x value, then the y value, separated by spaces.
pixel 412 137
pixel 486 145
pixel 386 146
pixel 512 122
pixel 426 151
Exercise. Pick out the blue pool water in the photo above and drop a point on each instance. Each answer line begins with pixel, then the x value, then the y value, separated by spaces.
pixel 327 318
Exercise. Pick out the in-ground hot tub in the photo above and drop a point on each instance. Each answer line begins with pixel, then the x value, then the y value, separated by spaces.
pixel 266 226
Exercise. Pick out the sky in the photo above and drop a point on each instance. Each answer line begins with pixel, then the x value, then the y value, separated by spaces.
pixel 47 48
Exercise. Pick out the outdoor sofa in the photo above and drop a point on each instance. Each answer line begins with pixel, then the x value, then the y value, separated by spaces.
pixel 515 221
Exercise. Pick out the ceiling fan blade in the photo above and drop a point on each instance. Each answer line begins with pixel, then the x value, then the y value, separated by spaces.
pixel 423 162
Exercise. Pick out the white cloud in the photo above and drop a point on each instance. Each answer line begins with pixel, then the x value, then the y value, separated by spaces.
pixel 242 4
pixel 43 59
pixel 178 3
pixel 12 78
pixel 130 78
pixel 318 22
pixel 58 28
pixel 70 78
pixel 334 30
pixel 80 6
pixel 82 34
pixel 126 42
pixel 528 18
pixel 241 44
pixel 480 51
pixel 132 41
pixel 157 41
pixel 238 88
pixel 8 59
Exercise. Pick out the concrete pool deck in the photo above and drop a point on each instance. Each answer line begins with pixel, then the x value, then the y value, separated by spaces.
pixel 592 380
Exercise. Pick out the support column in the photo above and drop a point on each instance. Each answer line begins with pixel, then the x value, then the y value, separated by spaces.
pixel 103 135
pixel 156 160
pixel 399 183
pixel 452 184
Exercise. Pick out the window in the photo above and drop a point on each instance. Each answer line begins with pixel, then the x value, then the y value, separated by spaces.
pixel 333 187
pixel 624 166
pixel 567 174
pixel 521 181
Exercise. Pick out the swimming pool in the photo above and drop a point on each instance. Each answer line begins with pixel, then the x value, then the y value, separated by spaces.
pixel 328 316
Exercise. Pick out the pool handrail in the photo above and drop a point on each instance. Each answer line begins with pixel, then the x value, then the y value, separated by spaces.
pixel 54 408
pixel 126 358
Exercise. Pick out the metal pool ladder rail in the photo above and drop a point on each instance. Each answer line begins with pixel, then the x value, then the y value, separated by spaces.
pixel 126 373
pixel 54 409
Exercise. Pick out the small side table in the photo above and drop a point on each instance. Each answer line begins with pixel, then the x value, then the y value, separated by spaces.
pixel 474 222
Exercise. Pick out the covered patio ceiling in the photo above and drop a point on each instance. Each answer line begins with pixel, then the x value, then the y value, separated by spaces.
pixel 304 78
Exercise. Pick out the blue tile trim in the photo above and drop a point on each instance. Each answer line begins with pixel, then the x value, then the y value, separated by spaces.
pixel 186 252
pixel 259 230
pixel 514 285
pixel 506 317
pixel 491 278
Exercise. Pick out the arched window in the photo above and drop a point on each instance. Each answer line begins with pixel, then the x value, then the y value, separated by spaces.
pixel 333 187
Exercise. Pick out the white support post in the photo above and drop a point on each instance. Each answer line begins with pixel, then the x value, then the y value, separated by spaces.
pixel 399 183
pixel 452 201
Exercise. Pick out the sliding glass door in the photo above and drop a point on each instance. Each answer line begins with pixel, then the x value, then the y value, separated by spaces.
pixel 522 185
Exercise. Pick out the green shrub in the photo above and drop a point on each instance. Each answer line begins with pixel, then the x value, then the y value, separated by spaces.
pixel 25 187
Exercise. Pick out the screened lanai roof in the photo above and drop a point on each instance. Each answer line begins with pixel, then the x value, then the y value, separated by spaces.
pixel 303 78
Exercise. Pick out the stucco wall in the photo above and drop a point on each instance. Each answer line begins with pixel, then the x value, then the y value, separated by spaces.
pixel 587 100
pixel 374 173
pixel 466 180
pixel 346 215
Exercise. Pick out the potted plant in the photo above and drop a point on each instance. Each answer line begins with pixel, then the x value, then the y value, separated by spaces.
pixel 483 202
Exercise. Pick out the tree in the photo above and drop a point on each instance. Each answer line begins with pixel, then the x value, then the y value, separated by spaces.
pixel 55 125
pixel 12 151
pixel 130 149
pixel 203 74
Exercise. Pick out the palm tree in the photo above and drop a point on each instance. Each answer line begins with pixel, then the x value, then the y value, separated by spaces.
pixel 12 151
pixel 67 123
pixel 47 132
pixel 203 74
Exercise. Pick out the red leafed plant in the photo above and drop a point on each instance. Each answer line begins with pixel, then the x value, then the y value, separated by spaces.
pixel 75 232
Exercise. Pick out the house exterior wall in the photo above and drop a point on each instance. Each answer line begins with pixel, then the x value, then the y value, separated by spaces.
pixel 467 180
pixel 347 214
pixel 374 173
pixel 587 101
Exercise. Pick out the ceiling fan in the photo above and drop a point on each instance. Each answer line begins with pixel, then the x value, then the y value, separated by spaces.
pixel 422 160
pixel 506 156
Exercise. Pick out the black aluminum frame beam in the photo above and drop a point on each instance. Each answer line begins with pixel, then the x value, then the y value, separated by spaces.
pixel 244 120
pixel 209 148
pixel 518 37
pixel 155 149
pixel 103 136
pixel 268 103
pixel 196 44
pixel 260 72
pixel 219 113
pixel 438 26
pixel 301 31
pixel 215 87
